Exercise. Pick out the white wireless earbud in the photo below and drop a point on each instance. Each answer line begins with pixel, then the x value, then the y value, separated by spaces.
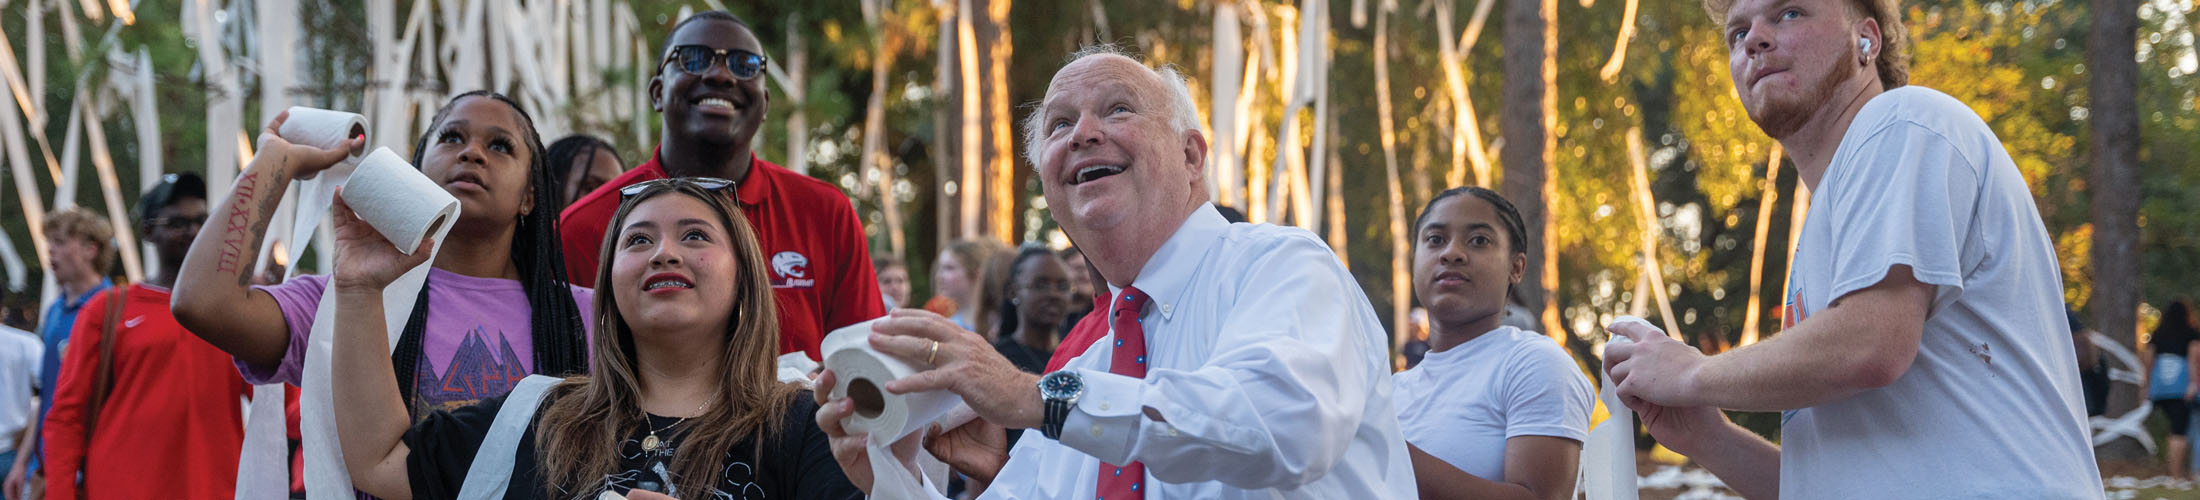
pixel 1864 44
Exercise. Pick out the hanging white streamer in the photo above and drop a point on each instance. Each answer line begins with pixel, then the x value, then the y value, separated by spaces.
pixel 263 465
pixel 2131 424
pixel 402 205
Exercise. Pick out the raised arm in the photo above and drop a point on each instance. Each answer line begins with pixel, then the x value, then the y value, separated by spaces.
pixel 370 413
pixel 213 296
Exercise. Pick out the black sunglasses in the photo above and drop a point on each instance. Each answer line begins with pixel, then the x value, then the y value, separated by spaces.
pixel 696 59
pixel 707 183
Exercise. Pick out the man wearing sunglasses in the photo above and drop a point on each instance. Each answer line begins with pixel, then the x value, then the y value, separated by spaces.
pixel 709 88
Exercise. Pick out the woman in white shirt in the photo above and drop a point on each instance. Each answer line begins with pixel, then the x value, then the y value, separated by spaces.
pixel 1493 411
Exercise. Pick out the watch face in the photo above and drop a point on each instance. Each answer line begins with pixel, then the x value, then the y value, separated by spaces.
pixel 1059 385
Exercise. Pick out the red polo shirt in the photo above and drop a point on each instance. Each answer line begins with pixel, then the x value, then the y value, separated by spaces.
pixel 820 265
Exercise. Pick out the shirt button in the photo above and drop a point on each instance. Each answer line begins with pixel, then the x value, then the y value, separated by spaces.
pixel 1095 430
pixel 1164 309
pixel 1104 406
pixel 1172 432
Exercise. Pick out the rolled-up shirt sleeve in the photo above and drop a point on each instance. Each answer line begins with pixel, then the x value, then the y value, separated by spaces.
pixel 1290 369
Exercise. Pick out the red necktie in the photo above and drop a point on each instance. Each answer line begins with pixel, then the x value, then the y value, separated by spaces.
pixel 1126 482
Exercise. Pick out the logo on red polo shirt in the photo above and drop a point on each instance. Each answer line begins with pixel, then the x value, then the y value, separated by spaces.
pixel 791 270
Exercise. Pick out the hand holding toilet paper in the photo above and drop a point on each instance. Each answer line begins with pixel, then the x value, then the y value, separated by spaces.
pixel 860 373
pixel 1608 456
pixel 403 206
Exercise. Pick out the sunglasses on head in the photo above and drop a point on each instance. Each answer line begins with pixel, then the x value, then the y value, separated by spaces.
pixel 706 183
pixel 696 59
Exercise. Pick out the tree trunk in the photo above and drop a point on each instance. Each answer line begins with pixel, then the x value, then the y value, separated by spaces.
pixel 946 138
pixel 1005 195
pixel 2115 180
pixel 874 130
pixel 1530 112
pixel 972 189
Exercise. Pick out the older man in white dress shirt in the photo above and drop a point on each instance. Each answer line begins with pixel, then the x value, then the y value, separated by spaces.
pixel 1242 361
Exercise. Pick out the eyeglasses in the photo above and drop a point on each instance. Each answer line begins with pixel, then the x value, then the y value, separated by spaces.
pixel 696 59
pixel 707 183
pixel 178 222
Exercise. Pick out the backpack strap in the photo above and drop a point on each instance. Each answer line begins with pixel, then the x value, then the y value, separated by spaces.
pixel 491 473
pixel 103 379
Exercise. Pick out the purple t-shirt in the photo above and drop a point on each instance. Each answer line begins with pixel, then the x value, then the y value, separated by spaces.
pixel 478 342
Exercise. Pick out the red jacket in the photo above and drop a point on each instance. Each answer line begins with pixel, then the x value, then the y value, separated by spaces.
pixel 172 423
pixel 818 260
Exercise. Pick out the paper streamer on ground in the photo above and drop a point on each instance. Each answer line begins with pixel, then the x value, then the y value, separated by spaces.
pixel 326 130
pixel 860 373
pixel 1608 457
pixel 402 205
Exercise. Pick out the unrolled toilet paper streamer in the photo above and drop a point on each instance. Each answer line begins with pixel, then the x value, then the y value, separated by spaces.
pixel 403 206
pixel 1608 458
pixel 861 372
pixel 323 129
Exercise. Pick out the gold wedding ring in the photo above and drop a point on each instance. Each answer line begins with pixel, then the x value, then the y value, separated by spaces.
pixel 935 354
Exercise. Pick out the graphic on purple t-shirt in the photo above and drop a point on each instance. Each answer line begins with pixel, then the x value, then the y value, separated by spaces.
pixel 478 342
pixel 475 371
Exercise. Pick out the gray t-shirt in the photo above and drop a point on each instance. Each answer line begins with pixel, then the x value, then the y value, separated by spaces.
pixel 1990 408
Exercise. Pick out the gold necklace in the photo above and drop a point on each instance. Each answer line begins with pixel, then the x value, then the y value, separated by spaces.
pixel 651 442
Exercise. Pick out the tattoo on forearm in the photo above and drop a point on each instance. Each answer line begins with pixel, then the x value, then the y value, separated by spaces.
pixel 242 232
pixel 259 229
pixel 234 231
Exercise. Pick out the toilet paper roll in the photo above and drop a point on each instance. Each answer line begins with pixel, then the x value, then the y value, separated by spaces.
pixel 403 205
pixel 860 373
pixel 323 129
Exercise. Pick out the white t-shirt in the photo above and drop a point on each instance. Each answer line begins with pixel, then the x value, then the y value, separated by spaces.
pixel 20 353
pixel 1990 408
pixel 1461 404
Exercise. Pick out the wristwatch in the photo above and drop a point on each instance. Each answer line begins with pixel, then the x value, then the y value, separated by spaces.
pixel 1059 390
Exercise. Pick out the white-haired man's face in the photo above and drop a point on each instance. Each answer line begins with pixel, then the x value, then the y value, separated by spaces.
pixel 1109 155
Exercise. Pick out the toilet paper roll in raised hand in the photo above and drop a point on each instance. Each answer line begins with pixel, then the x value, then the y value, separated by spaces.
pixel 403 206
pixel 860 373
pixel 323 129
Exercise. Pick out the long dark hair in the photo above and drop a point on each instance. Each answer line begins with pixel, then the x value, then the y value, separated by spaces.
pixel 1009 322
pixel 560 343
pixel 2176 319
pixel 588 417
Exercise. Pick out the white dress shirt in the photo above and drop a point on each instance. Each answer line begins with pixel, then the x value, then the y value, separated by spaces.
pixel 1266 366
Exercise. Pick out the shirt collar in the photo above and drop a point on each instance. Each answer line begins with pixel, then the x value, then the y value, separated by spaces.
pixel 757 187
pixel 1171 267
pixel 77 302
pixel 751 191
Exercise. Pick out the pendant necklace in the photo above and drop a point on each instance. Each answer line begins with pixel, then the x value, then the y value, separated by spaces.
pixel 651 442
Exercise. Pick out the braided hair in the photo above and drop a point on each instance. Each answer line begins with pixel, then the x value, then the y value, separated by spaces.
pixel 561 159
pixel 561 347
